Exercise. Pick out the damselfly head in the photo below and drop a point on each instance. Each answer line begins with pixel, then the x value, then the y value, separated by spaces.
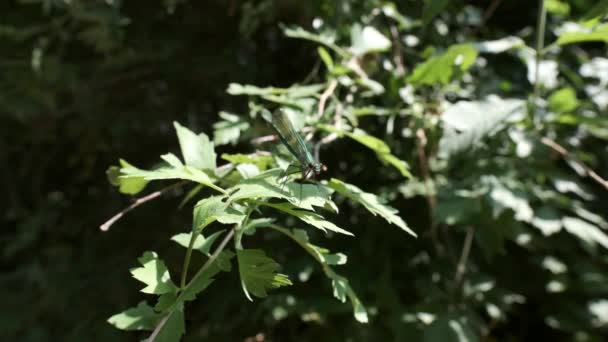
pixel 318 168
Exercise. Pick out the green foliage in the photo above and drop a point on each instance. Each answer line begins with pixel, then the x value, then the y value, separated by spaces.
pixel 259 273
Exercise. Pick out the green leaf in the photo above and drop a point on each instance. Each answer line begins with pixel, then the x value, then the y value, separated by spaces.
pixel 500 45
pixel 261 186
pixel 293 92
pixel 547 219
pixel 367 39
pixel 204 279
pixel 466 123
pixel 229 129
pixel 259 272
pixel 187 173
pixel 563 100
pixel 197 150
pixel 261 161
pixel 300 33
pixel 326 58
pixel 154 274
pixel 432 8
pixel 309 217
pixel 503 198
pixel 342 290
pixel 557 7
pixel 382 150
pixel 174 328
pixel 585 231
pixel 141 317
pixel 371 202
pixel 129 186
pixel 210 209
pixel 201 243
pixel 443 68
pixel 307 196
pixel 597 34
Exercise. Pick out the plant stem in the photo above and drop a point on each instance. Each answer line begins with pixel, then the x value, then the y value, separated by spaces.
pixel 214 256
pixel 464 257
pixel 540 42
pixel 186 265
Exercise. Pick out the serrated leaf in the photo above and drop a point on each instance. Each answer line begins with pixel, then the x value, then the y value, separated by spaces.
pixel 309 217
pixel 263 185
pixel 129 171
pixel 201 243
pixel 174 328
pixel 141 317
pixel 443 68
pixel 371 202
pixel 367 39
pixel 214 208
pixel 197 150
pixel 204 279
pixel 307 196
pixel 466 123
pixel 154 274
pixel 259 272
pixel 172 160
pixel 342 290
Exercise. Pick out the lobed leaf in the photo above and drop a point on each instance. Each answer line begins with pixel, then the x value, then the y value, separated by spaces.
pixel 141 317
pixel 259 273
pixel 154 273
pixel 197 150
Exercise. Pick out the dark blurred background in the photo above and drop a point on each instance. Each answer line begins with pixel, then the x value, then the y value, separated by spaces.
pixel 86 83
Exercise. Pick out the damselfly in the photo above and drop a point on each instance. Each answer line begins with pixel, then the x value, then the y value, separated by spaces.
pixel 295 144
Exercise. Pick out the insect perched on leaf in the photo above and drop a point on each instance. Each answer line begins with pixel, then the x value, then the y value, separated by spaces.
pixel 295 144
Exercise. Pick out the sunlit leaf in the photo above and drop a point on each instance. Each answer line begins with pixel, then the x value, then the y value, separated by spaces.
pixel 563 100
pixel 309 217
pixel 367 39
pixel 154 273
pixel 596 34
pixel 201 243
pixel 229 129
pixel 371 202
pixel 141 317
pixel 585 231
pixel 197 150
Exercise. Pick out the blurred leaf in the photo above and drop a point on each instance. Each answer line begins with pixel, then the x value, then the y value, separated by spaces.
pixel 557 7
pixel 197 150
pixel 367 39
pixel 141 317
pixel 371 202
pixel 130 186
pixel 505 198
pixel 563 100
pixel 293 92
pixel 201 243
pixel 298 32
pixel 598 10
pixel 466 123
pixel 499 45
pixel 450 328
pixel 229 129
pixel 154 274
pixel 585 231
pixel 547 220
pixel 259 273
pixel 443 68
pixel 597 34
pixel 326 58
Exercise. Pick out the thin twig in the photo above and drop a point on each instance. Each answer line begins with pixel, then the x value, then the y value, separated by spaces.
pixel 106 225
pixel 428 184
pixel 567 155
pixel 211 259
pixel 490 10
pixel 464 257
pixel 326 94
pixel 398 56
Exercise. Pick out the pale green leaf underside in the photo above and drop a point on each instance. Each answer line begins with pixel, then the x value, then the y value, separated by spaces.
pixel 154 274
pixel 259 272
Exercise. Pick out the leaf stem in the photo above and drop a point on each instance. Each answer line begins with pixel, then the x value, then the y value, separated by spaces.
pixel 464 257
